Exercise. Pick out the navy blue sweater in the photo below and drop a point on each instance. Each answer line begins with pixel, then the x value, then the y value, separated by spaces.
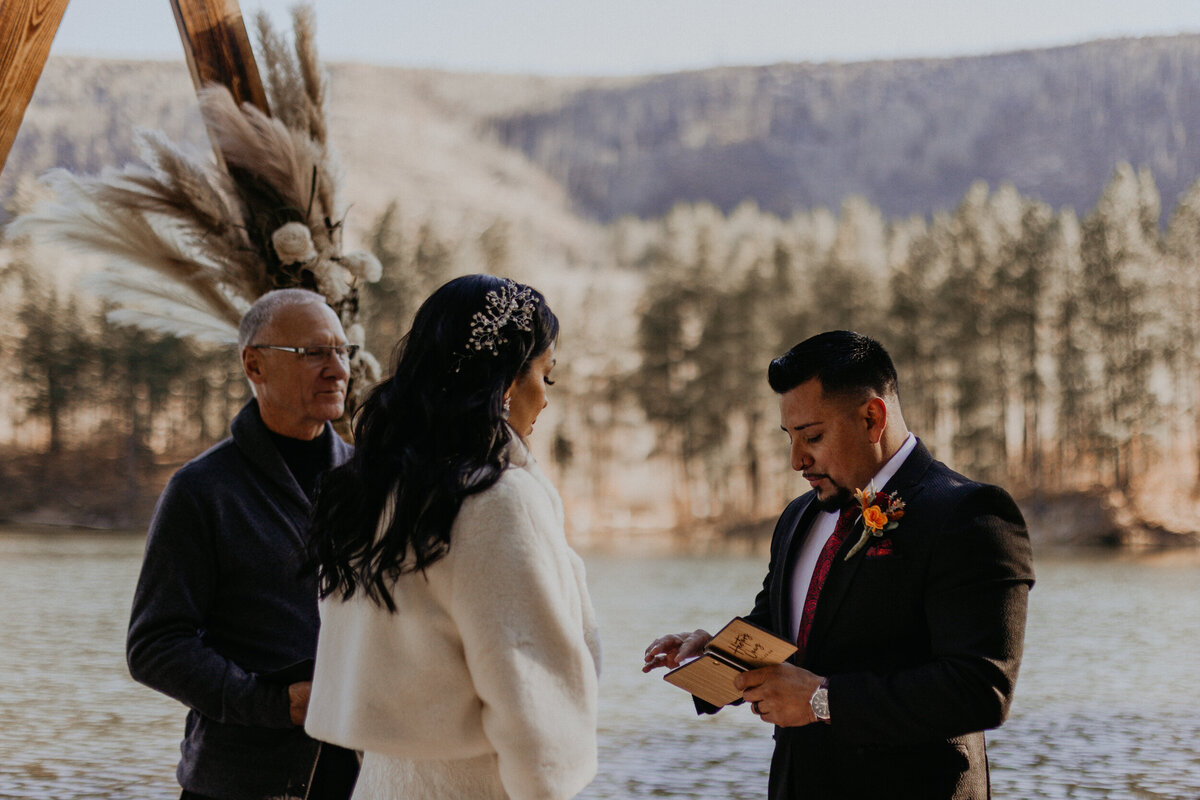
pixel 220 613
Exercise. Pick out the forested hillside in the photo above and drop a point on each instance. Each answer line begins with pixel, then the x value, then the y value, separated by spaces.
pixel 1022 232
pixel 910 136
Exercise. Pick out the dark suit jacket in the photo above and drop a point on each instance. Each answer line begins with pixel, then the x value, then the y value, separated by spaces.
pixel 920 637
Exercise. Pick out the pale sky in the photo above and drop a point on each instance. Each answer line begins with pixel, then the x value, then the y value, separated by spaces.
pixel 624 37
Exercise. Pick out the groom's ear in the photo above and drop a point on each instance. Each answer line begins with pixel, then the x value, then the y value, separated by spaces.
pixel 875 417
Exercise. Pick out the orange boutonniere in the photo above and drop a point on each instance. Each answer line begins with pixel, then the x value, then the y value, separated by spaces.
pixel 880 513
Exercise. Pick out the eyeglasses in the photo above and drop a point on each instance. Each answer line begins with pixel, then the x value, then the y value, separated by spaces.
pixel 317 354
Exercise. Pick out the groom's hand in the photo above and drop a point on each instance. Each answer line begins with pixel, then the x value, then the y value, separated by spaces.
pixel 780 694
pixel 674 648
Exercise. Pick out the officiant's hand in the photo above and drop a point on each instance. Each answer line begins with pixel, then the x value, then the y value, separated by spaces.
pixel 674 648
pixel 780 694
pixel 298 694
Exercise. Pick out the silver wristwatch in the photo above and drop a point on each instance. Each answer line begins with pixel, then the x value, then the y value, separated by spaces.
pixel 820 701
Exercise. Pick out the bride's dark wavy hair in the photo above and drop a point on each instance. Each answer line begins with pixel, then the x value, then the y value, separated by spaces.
pixel 430 435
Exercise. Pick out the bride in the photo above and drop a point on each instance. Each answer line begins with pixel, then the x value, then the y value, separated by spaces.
pixel 457 646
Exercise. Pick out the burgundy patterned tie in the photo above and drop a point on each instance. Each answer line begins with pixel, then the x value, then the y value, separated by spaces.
pixel 844 525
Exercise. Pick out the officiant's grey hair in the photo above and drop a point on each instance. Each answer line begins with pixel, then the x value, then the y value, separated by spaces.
pixel 265 309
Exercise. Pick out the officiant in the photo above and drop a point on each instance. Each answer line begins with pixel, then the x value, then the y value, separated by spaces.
pixel 222 619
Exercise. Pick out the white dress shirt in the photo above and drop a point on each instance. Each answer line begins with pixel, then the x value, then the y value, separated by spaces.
pixel 822 529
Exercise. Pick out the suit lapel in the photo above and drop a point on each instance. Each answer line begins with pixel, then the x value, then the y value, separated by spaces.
pixel 907 479
pixel 837 585
pixel 906 483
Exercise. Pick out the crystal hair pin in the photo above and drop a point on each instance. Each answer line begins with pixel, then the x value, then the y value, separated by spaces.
pixel 505 306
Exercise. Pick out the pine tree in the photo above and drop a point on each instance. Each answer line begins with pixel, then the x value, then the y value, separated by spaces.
pixel 1120 253
pixel 56 354
pixel 1183 333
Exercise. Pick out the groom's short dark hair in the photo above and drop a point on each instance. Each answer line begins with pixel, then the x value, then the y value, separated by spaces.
pixel 845 362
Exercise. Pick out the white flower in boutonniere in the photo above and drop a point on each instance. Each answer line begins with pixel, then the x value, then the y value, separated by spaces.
pixel 880 513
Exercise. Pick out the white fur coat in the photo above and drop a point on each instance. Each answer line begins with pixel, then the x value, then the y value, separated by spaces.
pixel 493 650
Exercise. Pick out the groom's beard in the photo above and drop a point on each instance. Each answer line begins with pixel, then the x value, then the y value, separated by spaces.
pixel 842 498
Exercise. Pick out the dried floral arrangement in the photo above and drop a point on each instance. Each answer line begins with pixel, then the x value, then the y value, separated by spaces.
pixel 189 243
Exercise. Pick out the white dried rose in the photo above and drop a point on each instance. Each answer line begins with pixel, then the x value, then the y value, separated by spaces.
pixel 367 366
pixel 333 280
pixel 293 243
pixel 356 334
pixel 363 265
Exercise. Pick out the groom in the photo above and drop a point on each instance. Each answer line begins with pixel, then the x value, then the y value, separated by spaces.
pixel 908 605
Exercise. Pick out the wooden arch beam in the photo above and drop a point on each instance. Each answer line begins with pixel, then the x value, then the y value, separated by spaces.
pixel 218 48
pixel 27 28
pixel 214 38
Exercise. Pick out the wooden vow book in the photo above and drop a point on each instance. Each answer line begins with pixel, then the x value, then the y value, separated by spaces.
pixel 738 647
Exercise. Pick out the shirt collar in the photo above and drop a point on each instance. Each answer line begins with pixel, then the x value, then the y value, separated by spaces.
pixel 889 470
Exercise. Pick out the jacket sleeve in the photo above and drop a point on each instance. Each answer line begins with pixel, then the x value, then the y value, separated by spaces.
pixel 165 646
pixel 761 615
pixel 976 591
pixel 520 611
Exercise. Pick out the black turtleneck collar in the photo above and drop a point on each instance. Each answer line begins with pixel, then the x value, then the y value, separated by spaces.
pixel 306 459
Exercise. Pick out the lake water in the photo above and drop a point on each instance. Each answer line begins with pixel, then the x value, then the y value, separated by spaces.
pixel 1107 707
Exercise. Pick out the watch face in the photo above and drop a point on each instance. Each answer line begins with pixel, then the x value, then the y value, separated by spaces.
pixel 820 703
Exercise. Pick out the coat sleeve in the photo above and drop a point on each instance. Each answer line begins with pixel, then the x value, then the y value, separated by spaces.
pixel 762 614
pixel 520 610
pixel 976 592
pixel 767 609
pixel 165 647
